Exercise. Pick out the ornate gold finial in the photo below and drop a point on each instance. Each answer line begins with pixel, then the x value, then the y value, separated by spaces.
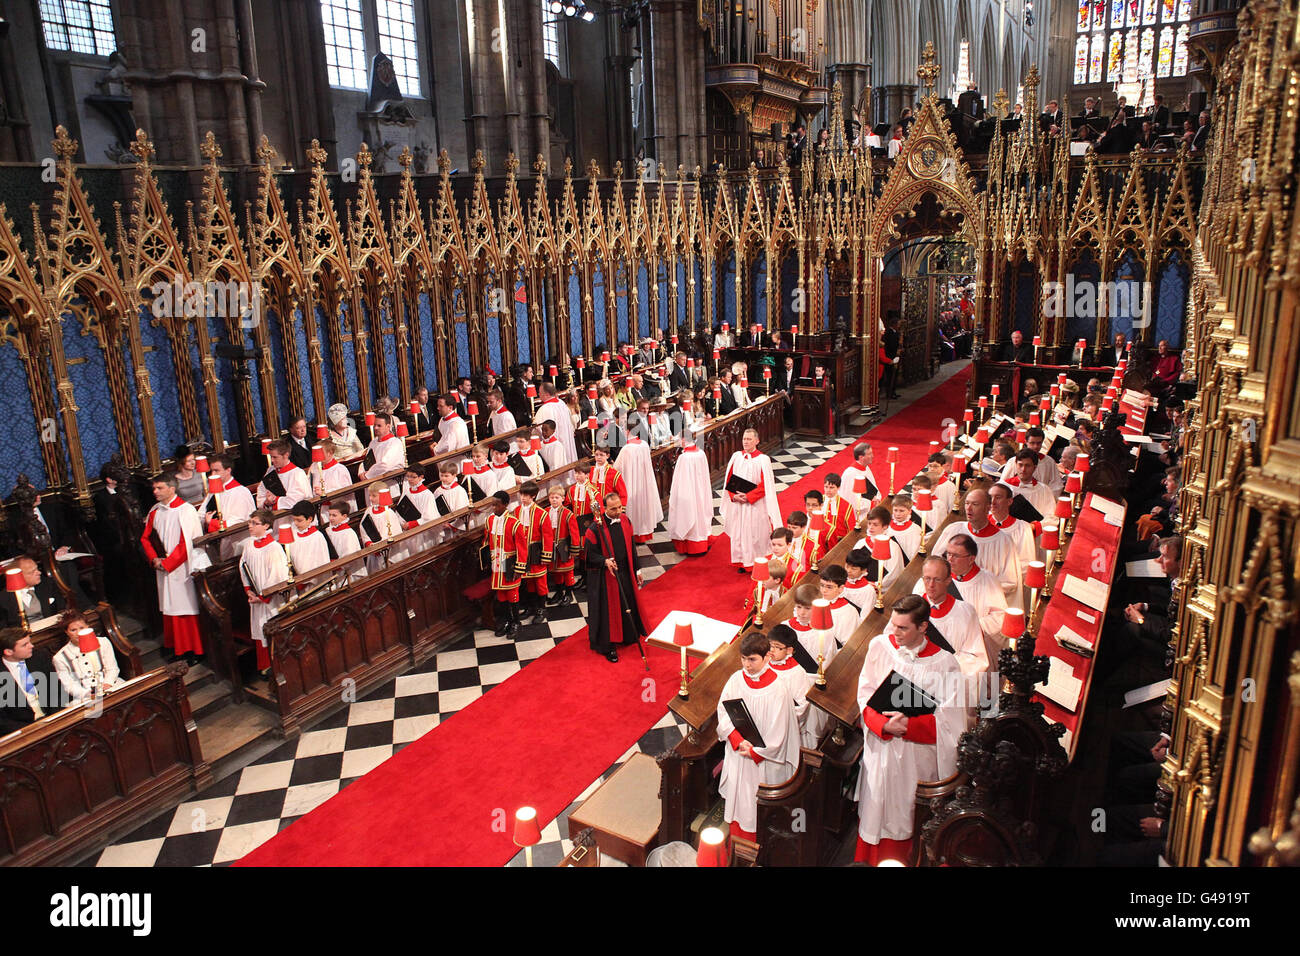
pixel 364 156
pixel 928 71
pixel 1031 78
pixel 568 167
pixel 264 151
pixel 404 157
pixel 662 170
pixel 539 165
pixel 593 171
pixel 444 162
pixel 618 169
pixel 1000 100
pixel 209 148
pixel 141 147
pixel 837 94
pixel 65 147
pixel 512 163
pixel 478 162
pixel 315 155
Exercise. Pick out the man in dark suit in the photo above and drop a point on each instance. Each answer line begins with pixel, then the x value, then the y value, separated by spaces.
pixel 1016 350
pixel 422 421
pixel 784 378
pixel 1052 119
pixel 677 377
pixel 40 598
pixel 27 682
pixel 1202 138
pixel 1149 139
pixel 728 403
pixel 463 388
pixel 299 445
pixel 517 394
pixel 1158 114
pixel 890 346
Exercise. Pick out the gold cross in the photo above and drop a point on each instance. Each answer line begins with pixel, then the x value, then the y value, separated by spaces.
pixel 928 71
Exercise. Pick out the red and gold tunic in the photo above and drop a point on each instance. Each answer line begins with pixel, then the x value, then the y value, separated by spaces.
pixel 608 480
pixel 840 520
pixel 539 539
pixel 507 545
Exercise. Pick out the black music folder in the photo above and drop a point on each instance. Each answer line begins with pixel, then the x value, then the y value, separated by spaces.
pixel 1022 509
pixel 739 486
pixel 156 542
pixel 871 491
pixel 953 590
pixel 803 658
pixel 369 461
pixel 407 509
pixel 740 717
pixel 897 694
pixel 936 636
pixel 441 502
pixel 272 483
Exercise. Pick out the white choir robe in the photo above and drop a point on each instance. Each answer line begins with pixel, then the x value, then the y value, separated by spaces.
pixel 644 508
pixel 892 768
pixel 555 456
pixel 333 476
pixel 177 594
pixel 845 617
pixel 296 488
pixel 908 537
pixel 944 493
pixel 814 643
pixel 502 421
pixel 861 593
pixel 424 500
pixel 958 623
pixel 536 465
pixel 456 498
pixel 996 553
pixel 1037 494
pixel 892 566
pixel 1048 473
pixel 485 480
pixel 84 675
pixel 390 456
pixel 861 503
pixel 749 526
pixel 981 591
pixel 812 720
pixel 453 434
pixel 236 504
pixel 554 410
pixel 308 551
pixel 1022 534
pixel 346 542
pixel 262 568
pixel 771 705
pixel 504 478
pixel 690 502
pixel 387 524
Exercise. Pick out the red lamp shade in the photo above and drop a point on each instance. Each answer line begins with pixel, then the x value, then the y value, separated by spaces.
pixel 690 362
pixel 532 390
pixel 1035 419
pixel 816 521
pixel 87 642
pixel 215 485
pixel 935 446
pixel 923 501
pixel 1081 344
pixel 982 436
pixel 1055 392
pixel 726 326
pixel 415 408
pixel 527 832
pixel 472 408
pixel 716 355
pixel 591 423
pixel 534 443
pixel 1107 404
pixel 1036 574
pixel 880 548
pixel 317 454
pixel 1061 378
pixel 860 486
pixel 322 432
pixel 1044 403
pixel 968 415
pixel 654 419
pixel 713 845
pixel 1050 539
pixel 893 454
pixel 467 467
pixel 1013 622
pixel 1038 341
pixel 591 392
pixel 385 498
pixel 1020 435
pixel 1074 483
pixel 686 404
pixel 286 534
pixel 402 430
pixel 761 572
pixel 580 362
pixel 717 394
pixel 14 579
pixel 744 382
pixel 673 339
pixel 821 615
pixel 996 390
pixel 266 446
pixel 604 357
pixel 683 636
pixel 553 371
pixel 1063 507
pixel 767 371
pixel 370 419
pixel 959 464
pixel 984 401
pixel 201 464
pixel 1082 464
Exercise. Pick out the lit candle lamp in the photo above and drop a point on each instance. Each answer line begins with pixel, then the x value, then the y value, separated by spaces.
pixel 712 851
pixel 322 432
pixel 1013 626
pixel 1038 343
pixel 822 624
pixel 880 551
pixel 472 408
pixel 1049 541
pixel 684 637
pixel 893 464
pixel 1035 580
pixel 527 833
pixel 923 505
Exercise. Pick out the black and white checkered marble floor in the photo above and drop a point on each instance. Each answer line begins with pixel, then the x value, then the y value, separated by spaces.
pixel 248 807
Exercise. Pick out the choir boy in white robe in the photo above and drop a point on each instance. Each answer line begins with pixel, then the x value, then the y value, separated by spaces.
pixel 952 617
pixel 85 665
pixel 527 461
pixel 1024 482
pixel 888 569
pixel 262 566
pixel 644 508
pixel 942 489
pixel 771 706
pixel 482 480
pixel 554 410
pixel 380 523
pixel 690 500
pixel 331 474
pixel 812 720
pixel 801 623
pixel 168 542
pixel 450 496
pixel 554 455
pixel 453 433
pixel 863 456
pixel 309 549
pixel 844 614
pixel 859 589
pixel 501 472
pixel 997 551
pixel 980 590
pixel 749 517
pixel 899 752
pixel 500 419
pixel 417 493
pixel 389 451
pixel 903 529
pixel 292 478
pixel 1046 469
pixel 344 540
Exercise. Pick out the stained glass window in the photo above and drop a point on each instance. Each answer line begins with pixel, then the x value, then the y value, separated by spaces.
pixel 1180 52
pixel 1117 13
pixel 1165 58
pixel 1185 9
pixel 1095 61
pixel 1099 14
pixel 1150 10
pixel 1113 59
pixel 1131 42
pixel 1131 57
pixel 1085 14
pixel 1148 46
pixel 1170 9
pixel 1081 58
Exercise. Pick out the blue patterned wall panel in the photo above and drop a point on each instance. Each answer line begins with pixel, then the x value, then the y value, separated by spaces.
pixel 598 308
pixel 660 321
pixel 353 397
pixel 225 387
pixel 423 327
pixel 388 350
pixel 621 305
pixel 726 278
pixel 90 391
pixel 829 321
pixel 282 373
pixel 1127 297
pixel 643 293
pixel 255 384
pixel 683 297
pixel 494 340
pixel 22 431
pixel 167 421
pixel 758 280
pixel 1027 297
pixel 462 350
pixel 1085 269
pixel 326 357
pixel 133 391
pixel 1171 301
pixel 579 346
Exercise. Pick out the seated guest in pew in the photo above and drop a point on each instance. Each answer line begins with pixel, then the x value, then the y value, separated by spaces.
pixel 262 566
pixel 770 703
pixel 332 473
pixel 450 496
pixel 1137 650
pixel 782 539
pixel 1024 482
pixel 343 540
pixel 903 529
pixel 342 434
pixel 422 421
pixel 801 623
pixel 504 476
pixel 85 665
pixel 505 557
pixel 567 547
pixel 844 615
pixel 1018 350
pixel 39 597
pixel 859 589
pixel 29 686
pixel 806 549
pixel 979 589
pixel 999 554
pixel 310 548
pixel 389 451
pixel 299 444
pixel 900 751
pixel 954 626
pixel 838 511
pixel 285 484
pixel 812 720
pixel 888 570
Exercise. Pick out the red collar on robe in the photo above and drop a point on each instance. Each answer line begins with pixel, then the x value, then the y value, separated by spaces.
pixel 765 679
pixel 1006 522
pixel 788 664
pixel 635 440
pixel 969 576
pixel 839 602
pixel 449 416
pixel 988 531
pixel 230 484
pixel 306 534
pixel 384 437
pixel 861 582
pixel 943 607
pixel 499 410
pixel 416 491
pixel 900 527
pixel 927 651
pixel 378 511
pixel 263 541
pixel 482 469
pixel 551 401
pixel 500 467
pixel 553 440
pixel 526 454
pixel 285 468
pixel 795 625
pixel 176 501
pixel 338 527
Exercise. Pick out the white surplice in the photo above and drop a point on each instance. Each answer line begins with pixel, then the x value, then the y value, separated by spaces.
pixel 749 526
pixel 296 488
pixel 263 565
pixel 772 707
pixel 996 553
pixel 177 522
pixel 554 410
pixel 308 551
pixel 690 501
pixel 345 542
pixel 644 508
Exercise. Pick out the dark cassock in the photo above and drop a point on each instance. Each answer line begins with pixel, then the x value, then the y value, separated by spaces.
pixel 607 623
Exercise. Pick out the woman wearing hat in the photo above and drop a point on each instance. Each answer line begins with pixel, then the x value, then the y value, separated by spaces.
pixel 344 436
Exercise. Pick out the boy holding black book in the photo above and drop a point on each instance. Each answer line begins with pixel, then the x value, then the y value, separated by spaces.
pixel 756 719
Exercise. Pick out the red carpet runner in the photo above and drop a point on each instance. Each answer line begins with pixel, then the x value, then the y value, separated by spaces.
pixel 539 738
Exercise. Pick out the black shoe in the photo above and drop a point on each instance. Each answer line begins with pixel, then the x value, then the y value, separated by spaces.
pixel 555 601
pixel 612 656
pixel 539 616
pixel 567 597
pixel 502 628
